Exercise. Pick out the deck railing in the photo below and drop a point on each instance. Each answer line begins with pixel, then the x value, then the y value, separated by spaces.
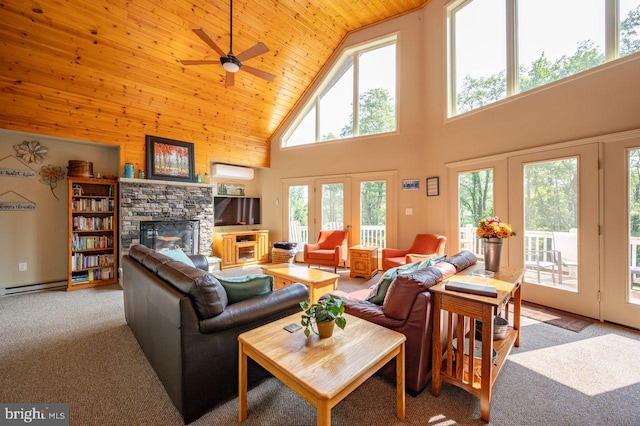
pixel 369 235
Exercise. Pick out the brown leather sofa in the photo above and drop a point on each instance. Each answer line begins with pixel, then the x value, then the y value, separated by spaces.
pixel 407 308
pixel 188 331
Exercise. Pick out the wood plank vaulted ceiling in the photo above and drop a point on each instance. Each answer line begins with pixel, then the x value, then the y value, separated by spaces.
pixel 108 71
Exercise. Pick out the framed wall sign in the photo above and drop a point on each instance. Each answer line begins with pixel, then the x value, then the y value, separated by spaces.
pixel 410 184
pixel 433 186
pixel 168 159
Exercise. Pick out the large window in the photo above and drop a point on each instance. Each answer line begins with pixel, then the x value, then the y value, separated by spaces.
pixel 502 48
pixel 357 98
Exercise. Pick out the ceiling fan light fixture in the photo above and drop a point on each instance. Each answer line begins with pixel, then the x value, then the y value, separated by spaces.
pixel 230 64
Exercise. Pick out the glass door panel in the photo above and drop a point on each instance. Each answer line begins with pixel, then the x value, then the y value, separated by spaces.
pixel 332 206
pixel 373 213
pixel 551 223
pixel 475 202
pixel 633 173
pixel 297 220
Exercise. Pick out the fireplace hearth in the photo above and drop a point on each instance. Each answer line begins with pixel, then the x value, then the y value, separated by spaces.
pixel 170 234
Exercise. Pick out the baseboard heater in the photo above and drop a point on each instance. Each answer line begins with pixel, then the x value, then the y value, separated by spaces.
pixel 26 288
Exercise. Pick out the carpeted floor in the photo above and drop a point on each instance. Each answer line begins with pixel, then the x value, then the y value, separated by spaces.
pixel 76 348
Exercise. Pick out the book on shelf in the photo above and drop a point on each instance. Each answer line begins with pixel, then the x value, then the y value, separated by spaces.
pixel 92 275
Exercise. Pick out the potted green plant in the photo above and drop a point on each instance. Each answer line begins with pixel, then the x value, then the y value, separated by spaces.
pixel 324 314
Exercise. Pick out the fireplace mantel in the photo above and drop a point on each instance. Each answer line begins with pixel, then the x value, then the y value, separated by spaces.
pixel 163 182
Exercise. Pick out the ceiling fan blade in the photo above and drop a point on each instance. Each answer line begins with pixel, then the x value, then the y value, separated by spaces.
pixel 207 39
pixel 252 52
pixel 230 79
pixel 188 62
pixel 258 73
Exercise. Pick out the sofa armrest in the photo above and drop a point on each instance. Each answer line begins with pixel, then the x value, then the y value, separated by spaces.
pixel 390 252
pixel 200 261
pixel 370 312
pixel 256 308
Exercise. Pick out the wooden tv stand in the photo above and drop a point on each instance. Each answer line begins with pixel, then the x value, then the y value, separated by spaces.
pixel 240 248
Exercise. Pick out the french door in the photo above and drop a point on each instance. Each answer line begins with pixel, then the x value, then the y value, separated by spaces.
pixel 554 204
pixel 577 225
pixel 365 204
pixel 621 301
pixel 314 204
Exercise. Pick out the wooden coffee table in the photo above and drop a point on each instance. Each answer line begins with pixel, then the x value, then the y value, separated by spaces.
pixel 318 282
pixel 322 371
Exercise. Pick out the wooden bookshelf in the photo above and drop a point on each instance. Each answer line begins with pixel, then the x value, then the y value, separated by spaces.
pixel 93 236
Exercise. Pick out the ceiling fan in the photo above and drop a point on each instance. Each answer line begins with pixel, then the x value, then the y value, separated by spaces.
pixel 230 62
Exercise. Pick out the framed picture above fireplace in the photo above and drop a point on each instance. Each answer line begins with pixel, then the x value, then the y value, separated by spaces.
pixel 169 159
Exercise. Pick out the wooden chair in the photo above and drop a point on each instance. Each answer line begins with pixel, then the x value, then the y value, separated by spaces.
pixel 545 260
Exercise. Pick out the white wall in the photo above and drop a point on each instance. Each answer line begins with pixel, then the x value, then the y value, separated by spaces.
pixel 403 151
pixel 39 237
pixel 601 101
pixel 597 102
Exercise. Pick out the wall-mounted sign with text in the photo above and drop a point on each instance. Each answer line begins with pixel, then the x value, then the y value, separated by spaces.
pixel 4 172
pixel 15 206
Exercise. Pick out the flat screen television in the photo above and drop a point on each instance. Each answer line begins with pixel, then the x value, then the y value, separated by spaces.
pixel 236 211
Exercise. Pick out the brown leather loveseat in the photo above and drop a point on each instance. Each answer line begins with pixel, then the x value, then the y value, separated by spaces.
pixel 188 329
pixel 407 308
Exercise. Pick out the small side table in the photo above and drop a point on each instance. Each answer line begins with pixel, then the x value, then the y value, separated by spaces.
pixel 466 308
pixel 363 261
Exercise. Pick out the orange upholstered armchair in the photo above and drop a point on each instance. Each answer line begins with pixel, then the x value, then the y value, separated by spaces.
pixel 423 247
pixel 330 250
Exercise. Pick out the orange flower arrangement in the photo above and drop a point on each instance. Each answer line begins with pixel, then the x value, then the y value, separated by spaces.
pixel 493 227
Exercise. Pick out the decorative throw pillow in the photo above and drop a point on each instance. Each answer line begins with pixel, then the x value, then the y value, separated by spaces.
pixel 179 255
pixel 246 286
pixel 380 290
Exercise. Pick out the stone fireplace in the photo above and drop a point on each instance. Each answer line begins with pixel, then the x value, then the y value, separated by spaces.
pixel 146 200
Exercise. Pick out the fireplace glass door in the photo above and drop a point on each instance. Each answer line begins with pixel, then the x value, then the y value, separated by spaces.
pixel 171 234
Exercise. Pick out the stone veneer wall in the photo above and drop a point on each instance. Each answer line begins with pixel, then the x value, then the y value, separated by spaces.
pixel 142 199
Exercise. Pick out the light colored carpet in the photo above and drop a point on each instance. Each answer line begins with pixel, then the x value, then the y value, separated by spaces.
pixel 76 348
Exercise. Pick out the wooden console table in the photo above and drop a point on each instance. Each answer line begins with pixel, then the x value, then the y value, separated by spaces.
pixel 464 309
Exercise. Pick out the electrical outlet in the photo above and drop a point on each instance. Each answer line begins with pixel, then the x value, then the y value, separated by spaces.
pixel 22 266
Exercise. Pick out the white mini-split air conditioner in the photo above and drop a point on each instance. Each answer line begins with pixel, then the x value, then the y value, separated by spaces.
pixel 231 172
